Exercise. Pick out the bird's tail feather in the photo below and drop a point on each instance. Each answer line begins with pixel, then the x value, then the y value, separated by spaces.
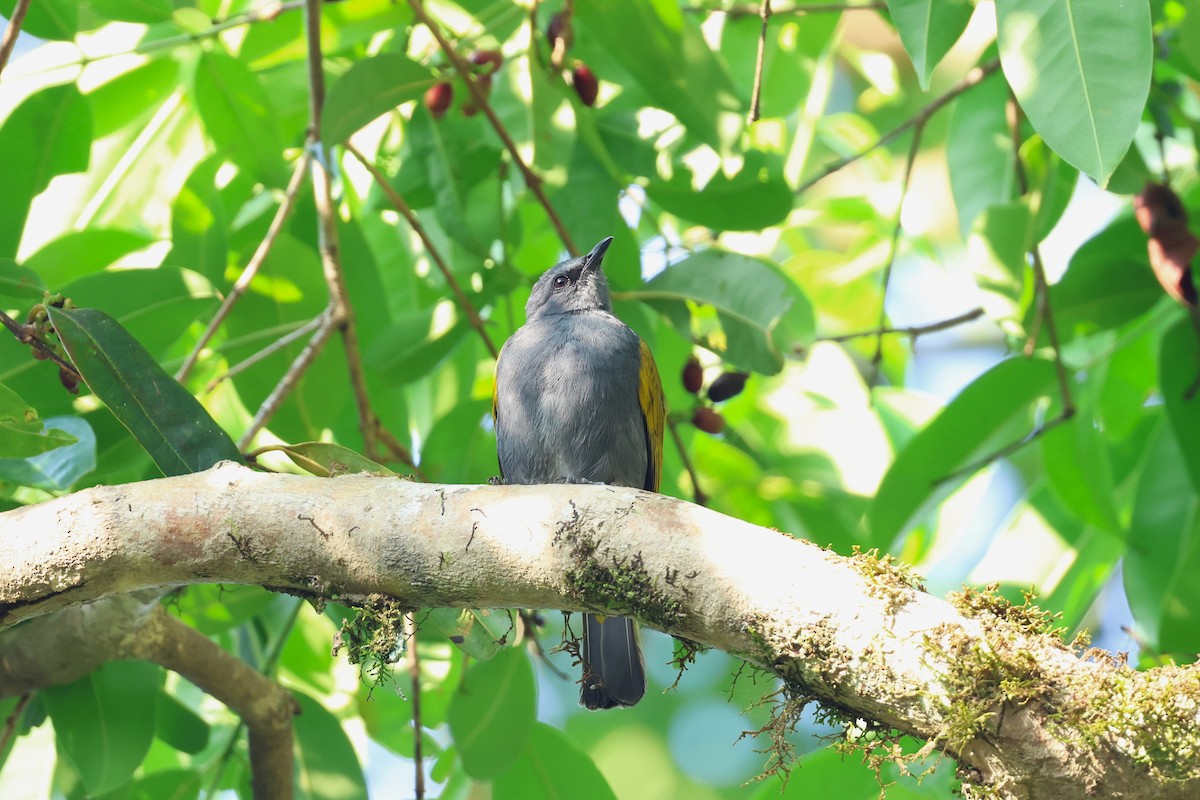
pixel 613 671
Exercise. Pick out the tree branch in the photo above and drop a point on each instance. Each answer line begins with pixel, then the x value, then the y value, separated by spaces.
pixel 1025 715
pixel 11 31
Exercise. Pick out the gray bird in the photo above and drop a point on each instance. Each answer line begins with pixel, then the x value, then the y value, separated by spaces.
pixel 578 399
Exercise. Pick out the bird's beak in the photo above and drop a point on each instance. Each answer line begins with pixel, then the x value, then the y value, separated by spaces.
pixel 592 260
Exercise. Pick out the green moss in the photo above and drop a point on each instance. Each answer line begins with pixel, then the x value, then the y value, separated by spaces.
pixel 373 638
pixel 887 579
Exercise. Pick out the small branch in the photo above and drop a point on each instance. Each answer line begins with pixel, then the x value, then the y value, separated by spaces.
pixel 913 331
pixel 415 223
pixel 266 352
pixel 697 493
pixel 894 246
pixel 10 722
pixel 973 78
pixel 464 70
pixel 26 335
pixel 11 32
pixel 801 9
pixel 412 661
pixel 256 261
pixel 764 11
pixel 1006 451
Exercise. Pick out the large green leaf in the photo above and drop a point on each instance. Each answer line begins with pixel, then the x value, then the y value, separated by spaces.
pixel 165 419
pixel 369 88
pixel 1081 72
pixel 928 29
pixel 326 766
pixel 979 151
pixel 996 252
pixel 79 253
pixel 47 19
pixel 493 712
pixel 104 721
pixel 55 470
pixel 759 307
pixel 477 632
pixel 179 726
pixel 19 283
pixel 416 343
pixel 995 408
pixel 552 767
pixel 326 459
pixel 49 134
pixel 22 434
pixel 148 11
pixel 754 198
pixel 238 115
pixel 667 55
pixel 1178 373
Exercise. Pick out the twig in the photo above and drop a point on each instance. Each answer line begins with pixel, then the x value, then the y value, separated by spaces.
pixel 1007 450
pixel 801 9
pixel 973 78
pixel 266 352
pixel 12 31
pixel 913 331
pixel 764 11
pixel 252 267
pixel 10 722
pixel 697 493
pixel 877 358
pixel 464 70
pixel 26 335
pixel 1045 314
pixel 413 662
pixel 434 254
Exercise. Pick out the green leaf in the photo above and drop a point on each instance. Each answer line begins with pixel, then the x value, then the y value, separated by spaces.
pixel 756 197
pixel 551 767
pixel 1058 56
pixel 179 726
pixel 171 784
pixel 997 407
pixel 753 299
pixel 480 633
pixel 237 114
pixel 492 713
pixel 148 11
pixel 166 420
pixel 19 283
pixel 928 29
pixel 996 251
pixel 1178 371
pixel 58 469
pixel 52 130
pixel 325 459
pixel 215 609
pixel 668 57
pixel 371 87
pixel 979 151
pixel 200 224
pixel 326 766
pixel 22 434
pixel 78 253
pixel 104 721
pixel 416 343
pixel 47 19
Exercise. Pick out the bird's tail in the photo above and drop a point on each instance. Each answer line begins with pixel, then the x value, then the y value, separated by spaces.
pixel 613 671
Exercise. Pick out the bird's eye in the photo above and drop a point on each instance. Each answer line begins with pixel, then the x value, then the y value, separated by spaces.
pixel 560 281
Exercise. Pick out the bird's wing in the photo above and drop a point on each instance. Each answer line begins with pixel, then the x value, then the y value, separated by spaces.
pixel 654 414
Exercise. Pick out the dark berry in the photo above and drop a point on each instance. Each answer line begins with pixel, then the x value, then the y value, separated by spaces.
pixel 708 420
pixel 491 57
pixel 585 83
pixel 438 98
pixel 727 385
pixel 693 376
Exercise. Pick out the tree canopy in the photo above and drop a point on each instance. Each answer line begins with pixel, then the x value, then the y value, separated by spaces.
pixel 916 274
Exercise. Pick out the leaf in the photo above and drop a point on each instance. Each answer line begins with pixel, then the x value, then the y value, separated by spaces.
pixel 928 29
pixel 996 251
pixel 1178 370
pixel 171 784
pixel 753 299
pixel 19 283
pixel 237 114
pixel 480 633
pixel 148 11
pixel 981 418
pixel 979 151
pixel 78 253
pixel 492 713
pixel 58 469
pixel 47 19
pixel 371 87
pixel 1058 56
pixel 104 721
pixel 52 130
pixel 325 459
pixel 179 726
pixel 552 767
pixel 756 197
pixel 163 417
pixel 416 343
pixel 22 434
pixel 668 57
pixel 326 766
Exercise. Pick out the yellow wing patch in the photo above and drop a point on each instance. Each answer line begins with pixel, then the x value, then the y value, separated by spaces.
pixel 654 413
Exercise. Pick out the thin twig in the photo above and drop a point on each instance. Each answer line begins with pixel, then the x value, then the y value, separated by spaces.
pixel 413 662
pixel 1007 450
pixel 26 335
pixel 973 78
pixel 529 623
pixel 801 9
pixel 894 247
pixel 698 494
pixel 913 331
pixel 12 31
pixel 10 722
pixel 252 267
pixel 1045 315
pixel 266 352
pixel 764 11
pixel 465 72
pixel 434 254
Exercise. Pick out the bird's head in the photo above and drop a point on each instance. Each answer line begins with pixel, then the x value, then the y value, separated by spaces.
pixel 577 284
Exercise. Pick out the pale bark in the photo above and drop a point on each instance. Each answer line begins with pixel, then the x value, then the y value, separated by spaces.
pixel 846 631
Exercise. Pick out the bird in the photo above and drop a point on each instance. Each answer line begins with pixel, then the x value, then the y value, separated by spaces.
pixel 578 399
